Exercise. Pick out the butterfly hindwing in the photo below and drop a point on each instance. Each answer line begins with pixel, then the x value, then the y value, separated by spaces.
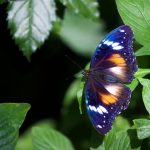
pixel 112 64
pixel 105 102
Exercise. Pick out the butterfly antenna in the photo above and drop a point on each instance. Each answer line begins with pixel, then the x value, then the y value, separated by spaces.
pixel 73 62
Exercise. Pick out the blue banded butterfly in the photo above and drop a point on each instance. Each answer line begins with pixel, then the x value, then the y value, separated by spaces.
pixel 112 65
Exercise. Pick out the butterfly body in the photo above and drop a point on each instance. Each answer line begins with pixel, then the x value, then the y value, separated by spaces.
pixel 112 65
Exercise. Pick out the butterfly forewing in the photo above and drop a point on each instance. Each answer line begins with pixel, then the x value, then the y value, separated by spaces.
pixel 112 64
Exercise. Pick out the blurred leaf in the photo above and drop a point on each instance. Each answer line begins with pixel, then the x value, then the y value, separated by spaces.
pixel 80 94
pixel 30 22
pixel 127 141
pixel 12 117
pixel 146 93
pixel 25 141
pixel 109 140
pixel 57 25
pixel 101 147
pixel 88 8
pixel 80 34
pixel 2 1
pixel 145 50
pixel 133 84
pixel 122 141
pixel 87 67
pixel 143 128
pixel 80 90
pixel 136 14
pixel 46 123
pixel 142 72
pixel 48 138
pixel 139 74
pixel 71 93
pixel 120 124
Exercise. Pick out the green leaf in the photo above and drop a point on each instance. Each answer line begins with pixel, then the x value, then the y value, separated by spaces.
pixel 122 141
pixel 133 84
pixel 71 93
pixel 142 72
pixel 136 13
pixel 120 124
pixel 25 140
pixel 109 140
pixel 145 50
pixel 101 147
pixel 30 22
pixel 81 34
pixel 80 94
pixel 88 8
pixel 143 128
pixel 12 117
pixel 146 92
pixel 2 1
pixel 139 74
pixel 48 138
pixel 80 89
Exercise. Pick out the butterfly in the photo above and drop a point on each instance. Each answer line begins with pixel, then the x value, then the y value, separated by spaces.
pixel 113 64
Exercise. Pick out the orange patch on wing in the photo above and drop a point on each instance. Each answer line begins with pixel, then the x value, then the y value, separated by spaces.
pixel 107 98
pixel 117 59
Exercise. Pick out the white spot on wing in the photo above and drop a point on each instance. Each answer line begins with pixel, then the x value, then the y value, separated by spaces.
pixel 122 30
pixel 99 45
pixel 107 42
pixel 92 108
pixel 101 108
pixel 99 126
pixel 118 47
pixel 113 89
pixel 115 44
pixel 86 101
pixel 117 70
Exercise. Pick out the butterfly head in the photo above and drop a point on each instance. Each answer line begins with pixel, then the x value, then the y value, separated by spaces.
pixel 86 73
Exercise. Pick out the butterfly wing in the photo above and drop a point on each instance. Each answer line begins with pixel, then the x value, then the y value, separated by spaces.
pixel 104 104
pixel 106 97
pixel 115 54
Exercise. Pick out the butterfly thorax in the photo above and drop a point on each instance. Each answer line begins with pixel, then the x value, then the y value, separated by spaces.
pixel 99 75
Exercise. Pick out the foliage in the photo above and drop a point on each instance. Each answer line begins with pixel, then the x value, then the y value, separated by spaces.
pixel 43 136
pixel 142 126
pixel 12 117
pixel 87 8
pixel 74 33
pixel 81 27
pixel 47 138
pixel 30 22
